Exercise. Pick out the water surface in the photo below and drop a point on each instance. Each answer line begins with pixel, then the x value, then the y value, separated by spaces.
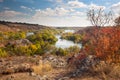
pixel 63 43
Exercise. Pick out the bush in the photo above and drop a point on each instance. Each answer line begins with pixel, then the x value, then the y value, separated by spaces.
pixel 73 50
pixel 16 35
pixel 61 52
pixel 23 50
pixel 73 37
pixel 43 41
pixel 3 53
pixel 104 43
pixel 43 36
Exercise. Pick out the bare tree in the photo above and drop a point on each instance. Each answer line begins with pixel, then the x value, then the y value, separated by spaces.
pixel 98 17
pixel 117 21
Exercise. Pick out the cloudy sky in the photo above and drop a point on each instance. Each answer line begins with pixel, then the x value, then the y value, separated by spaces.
pixel 53 12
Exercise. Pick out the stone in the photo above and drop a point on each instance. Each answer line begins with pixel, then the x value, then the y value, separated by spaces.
pixel 45 77
pixel 19 42
pixel 1 60
pixel 64 78
pixel 33 74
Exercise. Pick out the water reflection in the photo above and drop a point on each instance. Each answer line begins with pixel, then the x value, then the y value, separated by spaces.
pixel 62 43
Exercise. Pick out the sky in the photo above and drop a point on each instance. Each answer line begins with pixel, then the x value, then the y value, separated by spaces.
pixel 54 12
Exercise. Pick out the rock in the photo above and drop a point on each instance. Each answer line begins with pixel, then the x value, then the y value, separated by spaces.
pixel 1 60
pixel 84 64
pixel 55 61
pixel 45 77
pixel 15 68
pixel 24 68
pixel 64 78
pixel 11 77
pixel 33 74
pixel 87 62
pixel 38 77
pixel 8 71
pixel 19 42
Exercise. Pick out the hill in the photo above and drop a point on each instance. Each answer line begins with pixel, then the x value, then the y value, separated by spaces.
pixel 14 26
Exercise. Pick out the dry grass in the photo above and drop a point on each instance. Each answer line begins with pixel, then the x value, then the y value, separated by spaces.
pixel 102 71
pixel 115 72
pixel 42 68
pixel 108 71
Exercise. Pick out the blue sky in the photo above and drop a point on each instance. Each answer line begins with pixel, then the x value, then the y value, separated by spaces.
pixel 53 12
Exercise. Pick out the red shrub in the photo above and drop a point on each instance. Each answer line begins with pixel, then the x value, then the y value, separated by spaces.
pixel 103 42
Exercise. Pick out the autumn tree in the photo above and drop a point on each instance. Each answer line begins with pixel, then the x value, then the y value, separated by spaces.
pixel 98 17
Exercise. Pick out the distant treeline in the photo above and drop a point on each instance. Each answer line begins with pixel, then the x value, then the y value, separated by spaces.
pixel 6 25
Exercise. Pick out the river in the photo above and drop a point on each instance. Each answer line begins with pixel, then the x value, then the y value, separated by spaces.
pixel 63 43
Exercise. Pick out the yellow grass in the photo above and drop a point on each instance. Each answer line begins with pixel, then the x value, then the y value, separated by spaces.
pixel 43 68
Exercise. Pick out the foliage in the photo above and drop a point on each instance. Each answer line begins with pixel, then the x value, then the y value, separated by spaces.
pixel 43 36
pixel 73 37
pixel 12 35
pixel 3 53
pixel 73 49
pixel 66 52
pixel 39 43
pixel 1 37
pixel 61 52
pixel 104 43
pixel 43 40
pixel 17 35
pixel 22 49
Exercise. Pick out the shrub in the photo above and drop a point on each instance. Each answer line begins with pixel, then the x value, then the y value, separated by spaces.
pixel 104 43
pixel 16 35
pixel 3 53
pixel 73 50
pixel 61 52
pixel 72 36
pixel 24 50
pixel 44 36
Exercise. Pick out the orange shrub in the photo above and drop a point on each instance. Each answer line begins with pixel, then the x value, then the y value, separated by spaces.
pixel 103 42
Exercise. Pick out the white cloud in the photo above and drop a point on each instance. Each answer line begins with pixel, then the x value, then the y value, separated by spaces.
pixel 76 4
pixel 50 17
pixel 1 0
pixel 58 11
pixel 9 14
pixel 78 13
pixel 116 8
pixel 59 17
pixel 24 7
pixel 58 1
pixel 94 6
pixel 61 21
pixel 116 5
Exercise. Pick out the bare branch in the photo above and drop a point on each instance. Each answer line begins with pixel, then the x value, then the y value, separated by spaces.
pixel 98 17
